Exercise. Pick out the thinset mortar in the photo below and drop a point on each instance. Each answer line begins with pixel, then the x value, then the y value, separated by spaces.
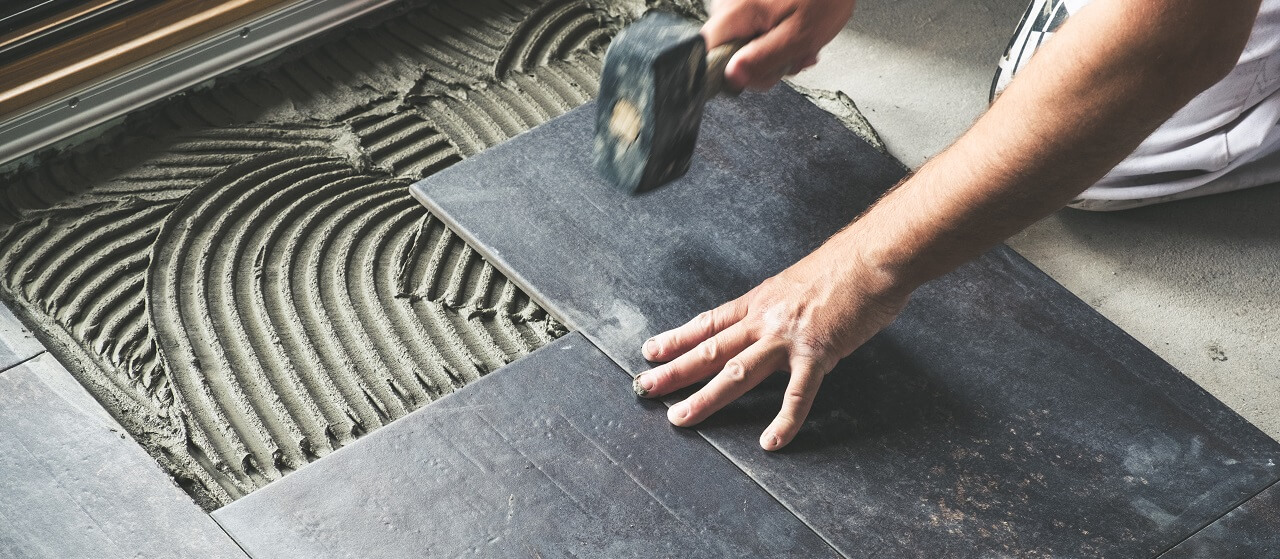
pixel 239 273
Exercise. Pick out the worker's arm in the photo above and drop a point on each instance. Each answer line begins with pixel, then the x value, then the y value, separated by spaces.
pixel 1109 77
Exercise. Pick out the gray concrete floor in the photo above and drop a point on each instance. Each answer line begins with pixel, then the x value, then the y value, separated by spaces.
pixel 1196 281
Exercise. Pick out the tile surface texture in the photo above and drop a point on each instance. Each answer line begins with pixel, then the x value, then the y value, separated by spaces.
pixel 998 415
pixel 559 459
pixel 74 485
pixel 1251 530
pixel 763 190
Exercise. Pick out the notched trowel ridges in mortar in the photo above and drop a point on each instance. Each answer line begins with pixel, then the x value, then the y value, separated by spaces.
pixel 484 116
pixel 552 32
pixel 292 351
pixel 405 144
pixel 240 275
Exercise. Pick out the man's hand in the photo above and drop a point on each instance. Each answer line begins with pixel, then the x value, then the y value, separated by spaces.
pixel 803 321
pixel 1113 73
pixel 785 35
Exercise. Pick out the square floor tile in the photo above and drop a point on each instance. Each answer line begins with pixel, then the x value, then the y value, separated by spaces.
pixel 73 484
pixel 999 415
pixel 550 456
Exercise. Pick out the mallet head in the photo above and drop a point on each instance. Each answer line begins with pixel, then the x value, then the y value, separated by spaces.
pixel 652 91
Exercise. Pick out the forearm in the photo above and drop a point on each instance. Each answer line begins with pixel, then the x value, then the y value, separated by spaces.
pixel 1111 76
pixel 1114 72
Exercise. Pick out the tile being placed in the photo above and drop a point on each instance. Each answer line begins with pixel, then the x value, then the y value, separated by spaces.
pixel 999 416
pixel 762 192
pixel 1250 530
pixel 72 484
pixel 549 456
pixel 17 343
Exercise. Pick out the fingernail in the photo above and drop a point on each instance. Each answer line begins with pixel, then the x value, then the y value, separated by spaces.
pixel 678 412
pixel 650 347
pixel 642 385
pixel 770 441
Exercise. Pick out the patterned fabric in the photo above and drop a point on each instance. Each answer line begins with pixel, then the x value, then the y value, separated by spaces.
pixel 1041 19
pixel 1225 139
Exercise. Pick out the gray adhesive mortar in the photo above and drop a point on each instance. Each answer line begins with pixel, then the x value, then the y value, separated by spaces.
pixel 238 273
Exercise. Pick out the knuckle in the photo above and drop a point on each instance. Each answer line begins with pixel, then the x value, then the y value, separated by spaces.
pixel 709 349
pixel 796 396
pixel 812 367
pixel 735 372
pixel 706 320
pixel 659 375
pixel 811 346
pixel 695 403
pixel 671 372
pixel 768 334
pixel 671 345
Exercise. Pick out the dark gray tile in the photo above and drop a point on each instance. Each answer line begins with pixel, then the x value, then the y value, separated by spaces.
pixel 17 343
pixel 999 415
pixel 550 456
pixel 761 193
pixel 1250 531
pixel 72 484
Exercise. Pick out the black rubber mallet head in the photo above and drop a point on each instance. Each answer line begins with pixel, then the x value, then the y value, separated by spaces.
pixel 657 77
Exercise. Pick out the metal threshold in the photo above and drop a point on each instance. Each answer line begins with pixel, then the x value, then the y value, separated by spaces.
pixel 240 41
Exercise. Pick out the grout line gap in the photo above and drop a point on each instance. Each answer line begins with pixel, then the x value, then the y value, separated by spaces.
pixel 1166 550
pixel 24 361
pixel 735 463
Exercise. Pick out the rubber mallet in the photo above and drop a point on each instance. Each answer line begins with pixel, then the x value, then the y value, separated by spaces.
pixel 657 78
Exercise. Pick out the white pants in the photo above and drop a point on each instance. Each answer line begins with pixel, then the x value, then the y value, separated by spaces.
pixel 1226 139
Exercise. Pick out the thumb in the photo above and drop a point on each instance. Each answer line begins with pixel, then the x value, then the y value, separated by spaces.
pixel 762 62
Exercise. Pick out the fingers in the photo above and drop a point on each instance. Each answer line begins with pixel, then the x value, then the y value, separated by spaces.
pixel 741 20
pixel 764 61
pixel 806 378
pixel 739 375
pixel 702 361
pixel 673 343
pixel 806 63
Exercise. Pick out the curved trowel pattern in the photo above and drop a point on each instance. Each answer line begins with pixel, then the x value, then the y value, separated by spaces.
pixel 276 292
pixel 240 275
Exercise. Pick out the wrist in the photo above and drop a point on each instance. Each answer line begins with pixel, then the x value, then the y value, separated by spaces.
pixel 917 231
pixel 875 263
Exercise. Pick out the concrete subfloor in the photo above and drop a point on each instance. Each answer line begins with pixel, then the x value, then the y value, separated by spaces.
pixel 1196 281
